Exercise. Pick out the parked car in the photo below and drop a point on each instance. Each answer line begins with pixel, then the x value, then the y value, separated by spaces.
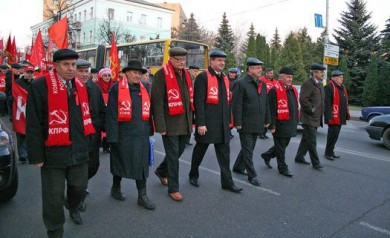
pixel 370 112
pixel 378 128
pixel 8 168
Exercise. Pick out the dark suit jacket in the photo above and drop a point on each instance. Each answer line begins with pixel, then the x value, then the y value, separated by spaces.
pixel 312 98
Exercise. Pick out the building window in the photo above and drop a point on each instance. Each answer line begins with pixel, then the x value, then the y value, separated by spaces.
pixel 90 36
pixel 79 16
pixel 75 17
pixel 129 17
pixel 83 37
pixel 142 20
pixel 85 15
pixel 110 14
pixel 91 13
pixel 159 22
pixel 71 18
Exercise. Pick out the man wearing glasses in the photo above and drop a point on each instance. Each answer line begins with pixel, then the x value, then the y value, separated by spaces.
pixel 172 107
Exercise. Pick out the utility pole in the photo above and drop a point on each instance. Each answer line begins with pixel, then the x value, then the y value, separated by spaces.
pixel 326 40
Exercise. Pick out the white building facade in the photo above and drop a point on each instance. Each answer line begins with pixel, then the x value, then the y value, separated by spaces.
pixel 137 18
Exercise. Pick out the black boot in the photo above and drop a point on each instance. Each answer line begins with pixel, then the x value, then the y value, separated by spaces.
pixel 75 216
pixel 117 194
pixel 82 206
pixel 143 199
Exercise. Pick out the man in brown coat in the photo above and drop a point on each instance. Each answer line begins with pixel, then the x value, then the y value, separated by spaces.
pixel 311 98
pixel 172 106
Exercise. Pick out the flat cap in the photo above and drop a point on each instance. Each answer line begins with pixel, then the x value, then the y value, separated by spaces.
pixel 286 70
pixel 63 54
pixel 16 66
pixel 177 51
pixel 316 66
pixel 217 53
pixel 4 66
pixel 193 67
pixel 337 73
pixel 253 61
pixel 82 63
pixel 233 70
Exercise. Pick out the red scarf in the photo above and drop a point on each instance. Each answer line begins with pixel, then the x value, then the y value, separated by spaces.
pixel 125 111
pixel 175 103
pixel 212 88
pixel 2 83
pixel 336 105
pixel 58 131
pixel 270 83
pixel 104 86
pixel 283 112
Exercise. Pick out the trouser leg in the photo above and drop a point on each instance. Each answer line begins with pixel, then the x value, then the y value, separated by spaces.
pixel 77 181
pixel 93 163
pixel 303 145
pixel 222 152
pixel 197 157
pixel 281 144
pixel 312 144
pixel 116 181
pixel 22 146
pixel 248 143
pixel 332 137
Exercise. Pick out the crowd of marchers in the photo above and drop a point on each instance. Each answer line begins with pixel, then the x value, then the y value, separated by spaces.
pixel 72 107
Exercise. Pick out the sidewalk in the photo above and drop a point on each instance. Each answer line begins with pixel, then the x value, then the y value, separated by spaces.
pixel 355 114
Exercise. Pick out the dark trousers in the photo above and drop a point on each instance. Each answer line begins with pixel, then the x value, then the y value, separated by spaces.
pixel 270 153
pixel 333 135
pixel 22 145
pixel 93 163
pixel 141 183
pixel 308 143
pixel 169 167
pixel 3 108
pixel 244 159
pixel 281 144
pixel 53 187
pixel 222 152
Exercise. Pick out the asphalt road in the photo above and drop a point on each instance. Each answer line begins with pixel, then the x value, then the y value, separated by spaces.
pixel 349 198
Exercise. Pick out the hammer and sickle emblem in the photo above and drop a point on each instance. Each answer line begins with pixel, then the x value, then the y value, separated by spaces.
pixel 126 106
pixel 173 94
pixel 282 103
pixel 214 91
pixel 147 106
pixel 85 109
pixel 335 108
pixel 58 117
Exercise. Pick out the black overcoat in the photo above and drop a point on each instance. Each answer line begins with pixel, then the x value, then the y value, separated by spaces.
pixel 216 117
pixel 311 98
pixel 129 157
pixel 37 130
pixel 329 104
pixel 250 109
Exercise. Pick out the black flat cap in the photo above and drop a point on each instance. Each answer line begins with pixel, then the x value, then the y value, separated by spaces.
pixel 217 53
pixel 193 67
pixel 16 66
pixel 337 73
pixel 177 51
pixel 253 61
pixel 233 70
pixel 286 70
pixel 4 66
pixel 94 71
pixel 82 63
pixel 134 65
pixel 316 66
pixel 63 54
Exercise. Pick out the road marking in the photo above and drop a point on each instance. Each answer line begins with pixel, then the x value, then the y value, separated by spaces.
pixel 375 228
pixel 362 154
pixel 235 179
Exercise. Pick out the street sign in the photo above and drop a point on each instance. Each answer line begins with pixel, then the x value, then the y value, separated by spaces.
pixel 331 50
pixel 318 20
pixel 331 61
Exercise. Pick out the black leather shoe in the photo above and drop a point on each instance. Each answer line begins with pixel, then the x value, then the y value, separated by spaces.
pixel 318 166
pixel 23 160
pixel 240 171
pixel 82 207
pixel 75 216
pixel 286 173
pixel 117 194
pixel 335 156
pixel 329 157
pixel 144 201
pixel 301 161
pixel 262 137
pixel 194 182
pixel 233 189
pixel 254 181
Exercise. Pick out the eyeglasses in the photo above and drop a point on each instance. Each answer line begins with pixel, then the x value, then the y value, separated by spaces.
pixel 180 59
pixel 106 75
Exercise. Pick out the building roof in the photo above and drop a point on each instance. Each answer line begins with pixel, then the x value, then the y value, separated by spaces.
pixel 146 3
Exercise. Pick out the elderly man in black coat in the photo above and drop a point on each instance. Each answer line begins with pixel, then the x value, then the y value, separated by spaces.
pixel 283 103
pixel 311 98
pixel 212 98
pixel 250 115
pixel 336 111
pixel 128 126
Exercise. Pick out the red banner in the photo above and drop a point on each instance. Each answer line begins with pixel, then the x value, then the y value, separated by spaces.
pixel 38 51
pixel 19 108
pixel 114 59
pixel 58 32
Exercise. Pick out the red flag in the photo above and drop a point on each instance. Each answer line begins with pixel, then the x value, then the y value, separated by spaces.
pixel 9 51
pixel 14 51
pixel 114 59
pixel 37 51
pixel 49 50
pixel 58 32
pixel 19 108
pixel 1 44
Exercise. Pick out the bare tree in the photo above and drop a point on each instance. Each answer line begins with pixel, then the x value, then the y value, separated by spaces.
pixel 105 32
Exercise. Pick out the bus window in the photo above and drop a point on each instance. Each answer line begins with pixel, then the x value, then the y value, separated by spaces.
pixel 89 55
pixel 196 53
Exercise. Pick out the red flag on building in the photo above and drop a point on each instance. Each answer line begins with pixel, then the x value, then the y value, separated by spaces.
pixel 114 59
pixel 19 108
pixel 58 32
pixel 37 51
